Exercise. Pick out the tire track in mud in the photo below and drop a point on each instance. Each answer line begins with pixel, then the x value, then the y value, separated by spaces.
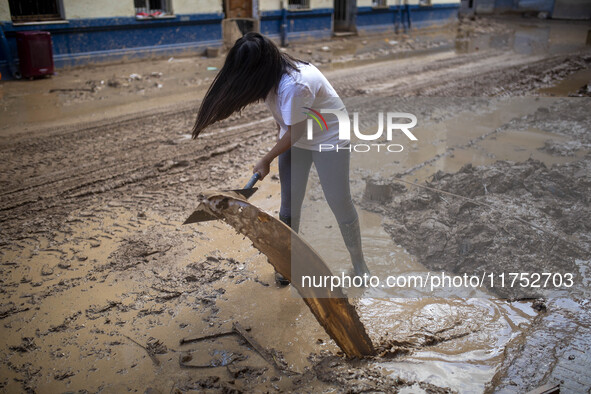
pixel 95 160
pixel 47 169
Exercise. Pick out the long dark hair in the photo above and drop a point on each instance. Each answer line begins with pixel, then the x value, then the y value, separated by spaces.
pixel 254 66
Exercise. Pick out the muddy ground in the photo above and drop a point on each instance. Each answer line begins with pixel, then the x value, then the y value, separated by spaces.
pixel 101 281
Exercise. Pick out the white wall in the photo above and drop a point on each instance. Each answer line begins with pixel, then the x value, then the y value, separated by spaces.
pixel 321 4
pixel 4 11
pixel 110 8
pixel 196 6
pixel 445 1
pixel 416 2
pixel 272 5
pixel 75 9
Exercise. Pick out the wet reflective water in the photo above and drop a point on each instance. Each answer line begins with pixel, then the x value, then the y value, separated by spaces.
pixel 530 37
pixel 452 342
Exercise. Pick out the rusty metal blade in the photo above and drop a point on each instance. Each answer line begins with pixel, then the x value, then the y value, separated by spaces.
pixel 279 243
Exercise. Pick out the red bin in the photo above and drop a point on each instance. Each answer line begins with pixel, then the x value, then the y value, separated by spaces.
pixel 35 53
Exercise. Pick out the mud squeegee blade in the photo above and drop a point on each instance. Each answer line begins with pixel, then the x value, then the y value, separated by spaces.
pixel 246 192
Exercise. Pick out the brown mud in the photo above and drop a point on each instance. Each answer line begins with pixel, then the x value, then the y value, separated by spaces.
pixel 505 217
pixel 101 282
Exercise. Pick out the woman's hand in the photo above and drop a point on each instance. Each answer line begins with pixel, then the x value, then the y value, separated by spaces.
pixel 262 167
pixel 284 143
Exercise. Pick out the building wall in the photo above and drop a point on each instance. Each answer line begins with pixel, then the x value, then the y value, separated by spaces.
pixel 404 15
pixel 4 10
pixel 78 9
pixel 572 9
pixel 558 9
pixel 197 6
pixel 107 30
pixel 310 24
pixel 528 5
pixel 273 5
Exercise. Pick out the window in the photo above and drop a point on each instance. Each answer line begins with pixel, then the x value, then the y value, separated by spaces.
pixel 35 10
pixel 379 3
pixel 146 9
pixel 298 4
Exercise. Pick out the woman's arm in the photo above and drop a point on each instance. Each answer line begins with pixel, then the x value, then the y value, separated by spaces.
pixel 284 143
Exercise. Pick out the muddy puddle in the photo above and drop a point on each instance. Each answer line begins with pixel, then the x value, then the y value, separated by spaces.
pixel 569 85
pixel 117 289
pixel 448 341
pixel 525 36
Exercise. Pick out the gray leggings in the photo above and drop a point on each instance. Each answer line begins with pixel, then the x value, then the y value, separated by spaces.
pixel 333 171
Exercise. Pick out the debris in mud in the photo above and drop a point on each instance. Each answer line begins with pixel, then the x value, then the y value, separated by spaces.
pixel 136 251
pixel 273 357
pixel 391 348
pixel 46 270
pixel 506 217
pixel 64 264
pixel 556 148
pixel 63 375
pixel 539 305
pixel 359 377
pixel 96 311
pixel 473 26
pixel 584 91
pixel 26 345
pixel 152 348
pixel 574 121
pixel 245 372
pixel 156 346
pixel 113 83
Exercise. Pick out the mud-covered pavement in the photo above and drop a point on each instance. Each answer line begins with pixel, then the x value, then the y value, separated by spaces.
pixel 100 280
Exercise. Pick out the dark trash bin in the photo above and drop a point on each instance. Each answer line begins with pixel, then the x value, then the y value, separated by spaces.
pixel 35 53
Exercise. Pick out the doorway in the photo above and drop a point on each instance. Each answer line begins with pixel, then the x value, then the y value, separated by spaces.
pixel 344 16
pixel 241 17
pixel 237 8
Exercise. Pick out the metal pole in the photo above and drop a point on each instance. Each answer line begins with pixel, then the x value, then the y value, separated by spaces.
pixel 283 31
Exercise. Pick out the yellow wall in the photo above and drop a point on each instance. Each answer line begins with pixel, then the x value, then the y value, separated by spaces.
pixel 4 10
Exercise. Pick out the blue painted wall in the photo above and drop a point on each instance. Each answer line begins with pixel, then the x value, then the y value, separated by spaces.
pixel 435 15
pixel 535 5
pixel 301 25
pixel 501 6
pixel 83 41
pixel 393 18
pixel 504 5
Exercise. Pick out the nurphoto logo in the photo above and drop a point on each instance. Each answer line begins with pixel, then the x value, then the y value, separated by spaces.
pixel 393 123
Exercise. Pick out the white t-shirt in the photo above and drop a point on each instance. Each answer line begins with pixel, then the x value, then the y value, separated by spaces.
pixel 298 95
